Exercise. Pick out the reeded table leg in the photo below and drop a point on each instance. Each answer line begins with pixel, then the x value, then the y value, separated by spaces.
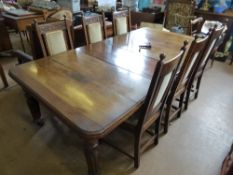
pixel 34 108
pixel 91 154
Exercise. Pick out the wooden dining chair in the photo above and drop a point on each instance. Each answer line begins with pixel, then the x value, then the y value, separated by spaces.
pixel 3 76
pixel 121 22
pixel 149 115
pixel 181 82
pixel 94 28
pixel 196 25
pixel 210 48
pixel 54 37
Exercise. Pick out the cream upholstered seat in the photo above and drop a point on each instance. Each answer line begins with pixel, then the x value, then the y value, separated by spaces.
pixel 121 25
pixel 56 42
pixel 54 37
pixel 94 28
pixel 94 32
pixel 121 22
pixel 163 88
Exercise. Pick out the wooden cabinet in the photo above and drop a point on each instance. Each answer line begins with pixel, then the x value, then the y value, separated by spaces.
pixel 5 43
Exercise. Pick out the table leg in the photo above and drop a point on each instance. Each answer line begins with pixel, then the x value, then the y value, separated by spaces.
pixel 91 154
pixel 34 108
pixel 2 74
pixel 21 39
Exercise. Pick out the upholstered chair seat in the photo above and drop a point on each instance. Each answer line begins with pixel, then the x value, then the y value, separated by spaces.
pixel 121 22
pixel 94 28
pixel 56 42
pixel 121 25
pixel 94 32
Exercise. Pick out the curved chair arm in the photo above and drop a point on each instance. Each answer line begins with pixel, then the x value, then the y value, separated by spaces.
pixel 22 56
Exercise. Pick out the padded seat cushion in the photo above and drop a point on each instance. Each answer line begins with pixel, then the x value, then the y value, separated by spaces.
pixel 121 25
pixel 56 42
pixel 94 32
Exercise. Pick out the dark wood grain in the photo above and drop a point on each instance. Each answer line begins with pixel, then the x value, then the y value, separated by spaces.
pixel 123 51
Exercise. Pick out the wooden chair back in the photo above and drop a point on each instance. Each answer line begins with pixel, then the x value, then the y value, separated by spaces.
pixel 211 46
pixel 94 28
pixel 209 50
pixel 121 22
pixel 54 37
pixel 138 17
pixel 161 82
pixel 196 25
pixel 190 62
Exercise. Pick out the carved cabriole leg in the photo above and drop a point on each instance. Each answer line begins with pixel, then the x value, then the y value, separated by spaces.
pixel 91 154
pixel 34 108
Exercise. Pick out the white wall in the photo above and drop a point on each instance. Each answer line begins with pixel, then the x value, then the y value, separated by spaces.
pixel 107 3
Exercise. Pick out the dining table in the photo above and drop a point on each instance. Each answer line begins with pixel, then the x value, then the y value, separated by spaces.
pixel 95 88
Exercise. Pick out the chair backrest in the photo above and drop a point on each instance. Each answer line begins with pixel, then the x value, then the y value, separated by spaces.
pixel 94 28
pixel 179 12
pixel 211 46
pixel 160 85
pixel 59 15
pixel 196 25
pixel 54 37
pixel 138 17
pixel 190 62
pixel 121 22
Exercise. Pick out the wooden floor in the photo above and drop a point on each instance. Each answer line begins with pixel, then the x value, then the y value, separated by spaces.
pixel 196 144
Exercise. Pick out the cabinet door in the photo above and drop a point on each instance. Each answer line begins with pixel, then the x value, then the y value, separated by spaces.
pixel 5 43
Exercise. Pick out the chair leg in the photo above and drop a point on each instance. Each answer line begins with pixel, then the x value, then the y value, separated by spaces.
pixel 181 104
pixel 157 131
pixel 166 117
pixel 2 74
pixel 212 62
pixel 188 91
pixel 197 87
pixel 137 150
